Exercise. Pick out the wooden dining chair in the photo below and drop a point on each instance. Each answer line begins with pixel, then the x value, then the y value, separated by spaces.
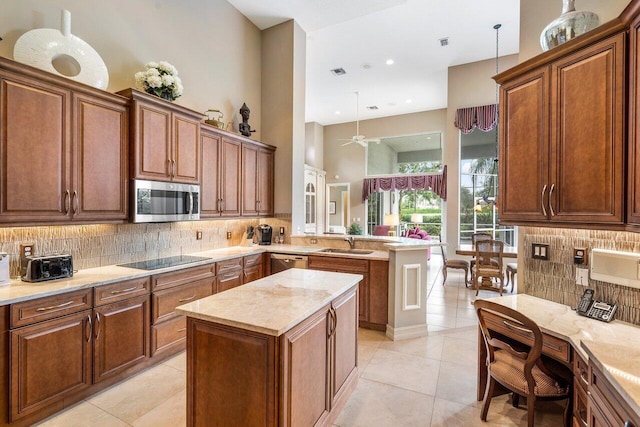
pixel 459 264
pixel 476 237
pixel 518 366
pixel 488 263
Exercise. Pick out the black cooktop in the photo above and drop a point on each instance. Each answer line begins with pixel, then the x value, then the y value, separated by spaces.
pixel 172 261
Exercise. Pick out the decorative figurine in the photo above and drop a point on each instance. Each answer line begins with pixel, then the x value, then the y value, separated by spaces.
pixel 244 127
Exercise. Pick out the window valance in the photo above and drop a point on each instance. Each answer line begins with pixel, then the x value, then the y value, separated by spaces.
pixel 436 182
pixel 483 117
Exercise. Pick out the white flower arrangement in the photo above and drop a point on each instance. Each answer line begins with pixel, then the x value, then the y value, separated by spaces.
pixel 160 79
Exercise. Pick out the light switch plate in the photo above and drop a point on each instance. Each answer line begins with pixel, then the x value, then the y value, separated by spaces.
pixel 582 276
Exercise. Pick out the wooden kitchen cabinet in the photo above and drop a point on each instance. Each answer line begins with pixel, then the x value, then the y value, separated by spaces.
pixel 606 406
pixel 253 268
pixel 344 349
pixel 257 180
pixel 229 274
pixel 221 165
pixel 562 138
pixel 63 147
pixel 165 139
pixel 373 289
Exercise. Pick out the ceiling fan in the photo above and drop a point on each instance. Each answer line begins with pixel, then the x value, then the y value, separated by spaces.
pixel 357 138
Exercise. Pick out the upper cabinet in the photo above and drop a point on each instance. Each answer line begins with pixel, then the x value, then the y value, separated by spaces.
pixel 166 139
pixel 562 137
pixel 257 180
pixel 63 148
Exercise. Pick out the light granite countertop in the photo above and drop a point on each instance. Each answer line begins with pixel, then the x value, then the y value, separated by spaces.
pixel 614 346
pixel 274 304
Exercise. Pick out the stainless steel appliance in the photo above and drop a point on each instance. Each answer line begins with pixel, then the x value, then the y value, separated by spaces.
pixel 264 234
pixel 50 267
pixel 158 201
pixel 280 262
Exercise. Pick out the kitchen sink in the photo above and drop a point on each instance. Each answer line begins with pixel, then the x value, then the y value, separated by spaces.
pixel 347 251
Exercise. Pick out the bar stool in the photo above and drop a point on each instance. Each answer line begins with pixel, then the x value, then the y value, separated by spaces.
pixel 512 270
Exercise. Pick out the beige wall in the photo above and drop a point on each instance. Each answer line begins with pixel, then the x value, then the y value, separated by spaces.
pixel 535 15
pixel 218 64
pixel 314 145
pixel 349 162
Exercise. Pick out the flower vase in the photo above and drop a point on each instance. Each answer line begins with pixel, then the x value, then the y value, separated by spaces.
pixel 567 26
pixel 163 95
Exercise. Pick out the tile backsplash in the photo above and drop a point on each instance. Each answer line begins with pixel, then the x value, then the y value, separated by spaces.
pixel 555 279
pixel 106 244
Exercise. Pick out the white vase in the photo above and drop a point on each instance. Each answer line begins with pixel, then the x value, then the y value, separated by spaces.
pixel 567 26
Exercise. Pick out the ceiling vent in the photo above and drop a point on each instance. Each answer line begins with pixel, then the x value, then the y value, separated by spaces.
pixel 338 72
pixel 372 107
pixel 444 42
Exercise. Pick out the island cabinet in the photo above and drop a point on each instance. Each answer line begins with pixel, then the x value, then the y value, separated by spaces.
pixel 64 147
pixel 221 166
pixel 257 180
pixel 606 406
pixel 562 137
pixel 300 377
pixel 373 290
pixel 165 139
pixel 169 290
pixel 66 346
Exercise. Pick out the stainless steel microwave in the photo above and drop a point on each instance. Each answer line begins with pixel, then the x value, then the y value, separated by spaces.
pixel 157 201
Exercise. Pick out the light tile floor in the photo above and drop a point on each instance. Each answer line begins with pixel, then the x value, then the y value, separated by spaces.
pixel 424 382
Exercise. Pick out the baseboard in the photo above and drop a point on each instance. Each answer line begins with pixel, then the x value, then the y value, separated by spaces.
pixel 407 332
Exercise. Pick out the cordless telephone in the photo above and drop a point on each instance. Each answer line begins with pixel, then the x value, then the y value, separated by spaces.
pixel 595 309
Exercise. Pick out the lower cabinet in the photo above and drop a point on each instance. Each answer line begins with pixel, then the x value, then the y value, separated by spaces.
pixel 301 378
pixel 253 268
pixel 606 406
pixel 229 274
pixel 373 290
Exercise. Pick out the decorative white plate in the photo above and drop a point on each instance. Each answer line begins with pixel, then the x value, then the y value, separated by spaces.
pixel 41 47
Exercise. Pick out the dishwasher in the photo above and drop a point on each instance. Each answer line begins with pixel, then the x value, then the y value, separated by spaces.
pixel 280 262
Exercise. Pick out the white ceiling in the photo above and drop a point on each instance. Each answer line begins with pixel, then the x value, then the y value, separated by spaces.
pixel 352 33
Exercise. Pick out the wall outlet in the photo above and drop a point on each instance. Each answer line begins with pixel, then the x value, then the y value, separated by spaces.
pixel 228 235
pixel 582 276
pixel 281 230
pixel 580 256
pixel 314 241
pixel 199 235
pixel 27 249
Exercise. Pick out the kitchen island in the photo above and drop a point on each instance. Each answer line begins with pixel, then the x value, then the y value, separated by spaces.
pixel 278 351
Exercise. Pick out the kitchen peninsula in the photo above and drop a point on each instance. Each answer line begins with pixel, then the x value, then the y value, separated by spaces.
pixel 281 350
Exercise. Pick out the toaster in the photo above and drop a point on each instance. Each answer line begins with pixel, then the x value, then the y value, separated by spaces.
pixel 50 267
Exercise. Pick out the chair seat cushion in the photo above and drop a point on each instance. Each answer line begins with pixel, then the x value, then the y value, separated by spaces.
pixel 457 263
pixel 509 370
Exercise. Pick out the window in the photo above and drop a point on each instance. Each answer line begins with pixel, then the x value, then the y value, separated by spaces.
pixel 421 208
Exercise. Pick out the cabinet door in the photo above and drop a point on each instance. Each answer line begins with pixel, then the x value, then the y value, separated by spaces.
pixel 121 336
pixel 306 371
pixel 185 160
pixel 345 339
pixel 100 134
pixel 249 180
pixel 35 151
pixel 49 361
pixel 152 142
pixel 230 177
pixel 523 170
pixel 265 182
pixel 210 183
pixel 633 179
pixel 587 134
pixel 378 294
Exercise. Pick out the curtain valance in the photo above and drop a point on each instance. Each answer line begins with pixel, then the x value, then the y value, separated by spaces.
pixel 436 182
pixel 483 117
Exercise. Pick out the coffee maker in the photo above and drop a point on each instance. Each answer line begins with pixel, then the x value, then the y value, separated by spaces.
pixel 264 234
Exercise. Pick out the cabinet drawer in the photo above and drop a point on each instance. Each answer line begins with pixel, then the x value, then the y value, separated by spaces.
pixel 120 291
pixel 229 280
pixel 169 335
pixel 580 371
pixel 165 301
pixel 252 273
pixel 228 265
pixel 346 265
pixel 28 312
pixel 251 260
pixel 180 277
pixel 551 346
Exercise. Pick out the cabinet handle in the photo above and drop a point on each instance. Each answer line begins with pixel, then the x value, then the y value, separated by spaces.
pixel 229 276
pixel 335 321
pixel 51 307
pixel 181 329
pixel 544 190
pixel 66 202
pixel 173 168
pixel 76 203
pixel 122 291
pixel 517 328
pixel 553 186
pixel 88 329
pixel 97 327
pixel 170 169
pixel 187 299
pixel 584 376
pixel 329 322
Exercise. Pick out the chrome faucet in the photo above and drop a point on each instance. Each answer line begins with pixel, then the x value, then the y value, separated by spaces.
pixel 352 241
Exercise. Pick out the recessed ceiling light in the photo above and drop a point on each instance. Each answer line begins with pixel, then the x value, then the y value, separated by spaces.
pixel 408 101
pixel 337 112
pixel 366 66
pixel 389 61
pixel 338 71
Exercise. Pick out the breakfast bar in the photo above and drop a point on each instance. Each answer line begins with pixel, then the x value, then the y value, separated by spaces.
pixel 281 350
